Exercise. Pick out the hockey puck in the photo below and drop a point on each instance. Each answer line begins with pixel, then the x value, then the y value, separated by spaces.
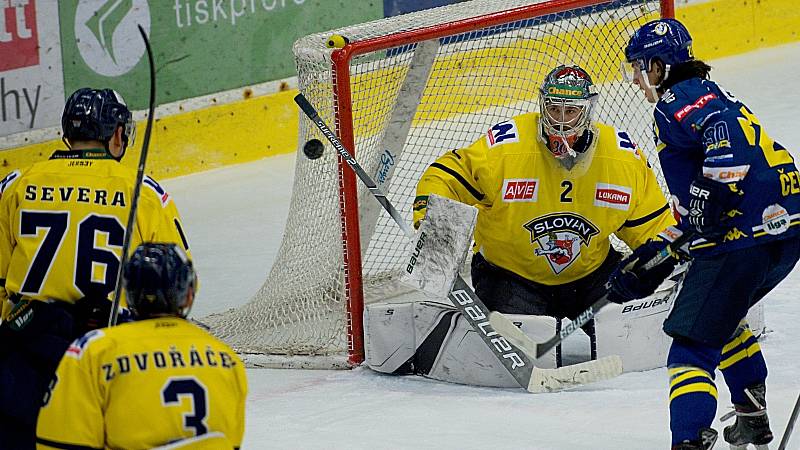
pixel 313 149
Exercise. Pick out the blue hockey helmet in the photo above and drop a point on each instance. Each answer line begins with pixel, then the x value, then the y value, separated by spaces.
pixel 95 114
pixel 159 280
pixel 665 39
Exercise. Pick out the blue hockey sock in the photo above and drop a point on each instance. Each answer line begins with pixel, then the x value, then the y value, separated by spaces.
pixel 693 394
pixel 742 365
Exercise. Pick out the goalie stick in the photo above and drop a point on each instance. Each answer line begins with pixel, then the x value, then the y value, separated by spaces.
pixel 112 318
pixel 506 327
pixel 464 299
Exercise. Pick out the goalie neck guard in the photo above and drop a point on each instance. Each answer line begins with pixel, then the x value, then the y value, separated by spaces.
pixel 566 99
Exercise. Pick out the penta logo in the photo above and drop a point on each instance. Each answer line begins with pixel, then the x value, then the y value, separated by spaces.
pixel 560 236
pixel 107 35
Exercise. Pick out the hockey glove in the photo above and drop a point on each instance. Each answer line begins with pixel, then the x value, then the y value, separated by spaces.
pixel 630 281
pixel 91 313
pixel 708 204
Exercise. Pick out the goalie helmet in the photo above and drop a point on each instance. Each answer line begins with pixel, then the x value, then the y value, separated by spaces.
pixel 665 39
pixel 95 114
pixel 159 280
pixel 566 99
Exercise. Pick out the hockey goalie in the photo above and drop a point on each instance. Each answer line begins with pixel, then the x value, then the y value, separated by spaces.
pixel 548 188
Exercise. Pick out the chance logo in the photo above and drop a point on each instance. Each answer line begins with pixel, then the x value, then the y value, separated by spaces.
pixel 107 34
pixel 19 40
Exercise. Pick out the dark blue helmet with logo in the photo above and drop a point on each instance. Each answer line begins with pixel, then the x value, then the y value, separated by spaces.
pixel 665 39
pixel 159 280
pixel 95 114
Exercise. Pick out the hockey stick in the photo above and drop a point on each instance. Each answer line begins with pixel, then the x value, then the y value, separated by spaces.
pixel 535 350
pixel 790 425
pixel 112 317
pixel 471 307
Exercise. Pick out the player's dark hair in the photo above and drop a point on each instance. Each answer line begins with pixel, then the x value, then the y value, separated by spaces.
pixel 685 71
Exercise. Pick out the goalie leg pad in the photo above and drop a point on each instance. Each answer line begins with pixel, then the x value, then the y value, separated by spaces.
pixel 432 339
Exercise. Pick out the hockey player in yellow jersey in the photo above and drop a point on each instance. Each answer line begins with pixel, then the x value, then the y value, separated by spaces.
pixel 156 381
pixel 62 227
pixel 550 187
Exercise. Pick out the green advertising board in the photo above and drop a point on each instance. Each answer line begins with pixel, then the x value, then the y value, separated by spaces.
pixel 201 46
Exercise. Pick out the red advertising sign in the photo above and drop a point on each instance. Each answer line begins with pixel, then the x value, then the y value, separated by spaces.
pixel 19 39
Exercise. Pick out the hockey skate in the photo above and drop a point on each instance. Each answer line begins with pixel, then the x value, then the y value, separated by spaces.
pixel 752 424
pixel 706 439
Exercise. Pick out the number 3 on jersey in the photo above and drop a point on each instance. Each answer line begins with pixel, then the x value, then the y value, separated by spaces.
pixel 175 388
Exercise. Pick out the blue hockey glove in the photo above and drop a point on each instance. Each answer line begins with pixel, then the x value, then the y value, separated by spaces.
pixel 630 281
pixel 710 201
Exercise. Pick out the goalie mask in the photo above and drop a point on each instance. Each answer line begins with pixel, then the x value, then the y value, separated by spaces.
pixel 565 103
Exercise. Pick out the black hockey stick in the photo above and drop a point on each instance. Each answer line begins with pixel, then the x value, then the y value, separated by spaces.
pixel 536 350
pixel 462 296
pixel 112 318
pixel 790 425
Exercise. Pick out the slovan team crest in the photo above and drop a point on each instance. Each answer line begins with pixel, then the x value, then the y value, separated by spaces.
pixel 560 237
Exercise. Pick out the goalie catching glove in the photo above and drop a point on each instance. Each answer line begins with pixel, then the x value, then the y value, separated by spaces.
pixel 631 281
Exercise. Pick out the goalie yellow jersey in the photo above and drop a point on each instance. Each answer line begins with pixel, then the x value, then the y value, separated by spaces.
pixel 144 384
pixel 540 220
pixel 62 225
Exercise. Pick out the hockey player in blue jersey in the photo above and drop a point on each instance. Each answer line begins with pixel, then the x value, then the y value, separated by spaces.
pixel 738 191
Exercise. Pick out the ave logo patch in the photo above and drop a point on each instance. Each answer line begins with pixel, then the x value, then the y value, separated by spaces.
pixel 502 133
pixel 520 189
pixel 560 236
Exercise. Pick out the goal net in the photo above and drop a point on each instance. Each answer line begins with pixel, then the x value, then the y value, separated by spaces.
pixel 403 91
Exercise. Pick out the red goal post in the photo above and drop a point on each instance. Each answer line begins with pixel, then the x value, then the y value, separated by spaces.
pixel 402 91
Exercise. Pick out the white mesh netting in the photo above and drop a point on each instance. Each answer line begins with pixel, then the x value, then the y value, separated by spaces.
pixel 454 87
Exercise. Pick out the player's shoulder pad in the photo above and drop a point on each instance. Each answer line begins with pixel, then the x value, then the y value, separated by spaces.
pixel 693 98
pixel 505 132
pixel 9 179
pixel 163 195
pixel 79 346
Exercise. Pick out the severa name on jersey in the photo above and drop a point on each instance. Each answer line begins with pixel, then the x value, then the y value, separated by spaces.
pixel 78 194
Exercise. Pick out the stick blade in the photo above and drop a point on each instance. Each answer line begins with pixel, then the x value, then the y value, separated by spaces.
pixel 552 380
